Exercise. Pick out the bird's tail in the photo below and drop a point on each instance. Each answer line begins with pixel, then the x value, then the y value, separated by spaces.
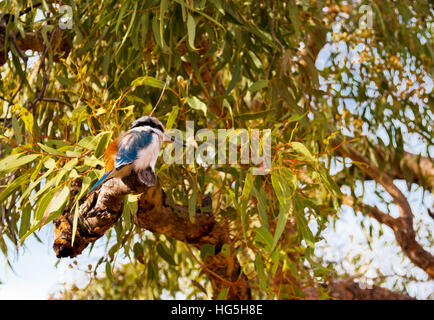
pixel 103 178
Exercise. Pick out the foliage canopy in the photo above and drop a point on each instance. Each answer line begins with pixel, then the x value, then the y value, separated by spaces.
pixel 306 69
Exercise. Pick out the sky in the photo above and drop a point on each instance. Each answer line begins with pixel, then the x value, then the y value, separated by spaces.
pixel 35 275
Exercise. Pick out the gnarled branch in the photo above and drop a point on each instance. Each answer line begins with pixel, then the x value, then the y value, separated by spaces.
pixel 103 207
pixel 401 226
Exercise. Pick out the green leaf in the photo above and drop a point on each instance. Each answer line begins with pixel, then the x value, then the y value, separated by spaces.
pixel 284 187
pixel 9 159
pixel 148 81
pixel 196 104
pixel 163 8
pixel 257 63
pixel 330 184
pixel 218 5
pixel 108 271
pixel 120 16
pixel 183 9
pixel 26 116
pixel 13 186
pixel 305 231
pixel 156 30
pixel 172 117
pixel 26 214
pixel 89 142
pixel 12 162
pixel 262 205
pixel 281 223
pixel 40 209
pixel 66 169
pixel 25 195
pixel 113 250
pixel 191 29
pixel 226 250
pixel 223 294
pixel 43 203
pixel 84 187
pixel 255 115
pixel 301 149
pixel 37 169
pixel 206 250
pixel 164 253
pixel 129 210
pixel 258 85
pixel 259 267
pixel 75 222
pixel 129 28
pixel 138 250
pixel 192 200
pixel 68 83
pixel 264 236
pixel 275 258
pixel 102 144
pixel 17 130
pixel 236 73
pixel 248 184
pixel 293 16
pixel 43 190
pixel 152 271
pixel 56 205
pixel 296 117
pixel 291 266
pixel 50 150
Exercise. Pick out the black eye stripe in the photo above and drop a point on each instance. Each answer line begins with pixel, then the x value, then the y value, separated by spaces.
pixel 148 123
pixel 156 126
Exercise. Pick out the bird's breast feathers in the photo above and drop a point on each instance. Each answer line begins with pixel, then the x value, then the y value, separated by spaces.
pixel 147 157
pixel 139 148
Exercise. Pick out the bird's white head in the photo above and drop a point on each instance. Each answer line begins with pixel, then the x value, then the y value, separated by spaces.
pixel 151 124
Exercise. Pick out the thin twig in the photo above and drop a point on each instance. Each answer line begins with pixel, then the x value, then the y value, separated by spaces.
pixel 41 92
pixel 57 100
pixel 273 22
pixel 159 99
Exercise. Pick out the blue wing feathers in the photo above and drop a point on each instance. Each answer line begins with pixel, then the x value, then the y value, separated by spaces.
pixel 129 146
pixel 101 180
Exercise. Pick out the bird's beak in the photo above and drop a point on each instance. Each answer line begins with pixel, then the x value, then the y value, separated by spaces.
pixel 191 142
pixel 168 138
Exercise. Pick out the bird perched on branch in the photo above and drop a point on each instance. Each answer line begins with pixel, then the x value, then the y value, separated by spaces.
pixel 137 150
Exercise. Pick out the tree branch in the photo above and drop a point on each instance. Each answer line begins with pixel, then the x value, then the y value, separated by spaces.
pixel 347 289
pixel 35 42
pixel 102 208
pixel 407 166
pixel 402 226
pixel 373 212
pixel 57 101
